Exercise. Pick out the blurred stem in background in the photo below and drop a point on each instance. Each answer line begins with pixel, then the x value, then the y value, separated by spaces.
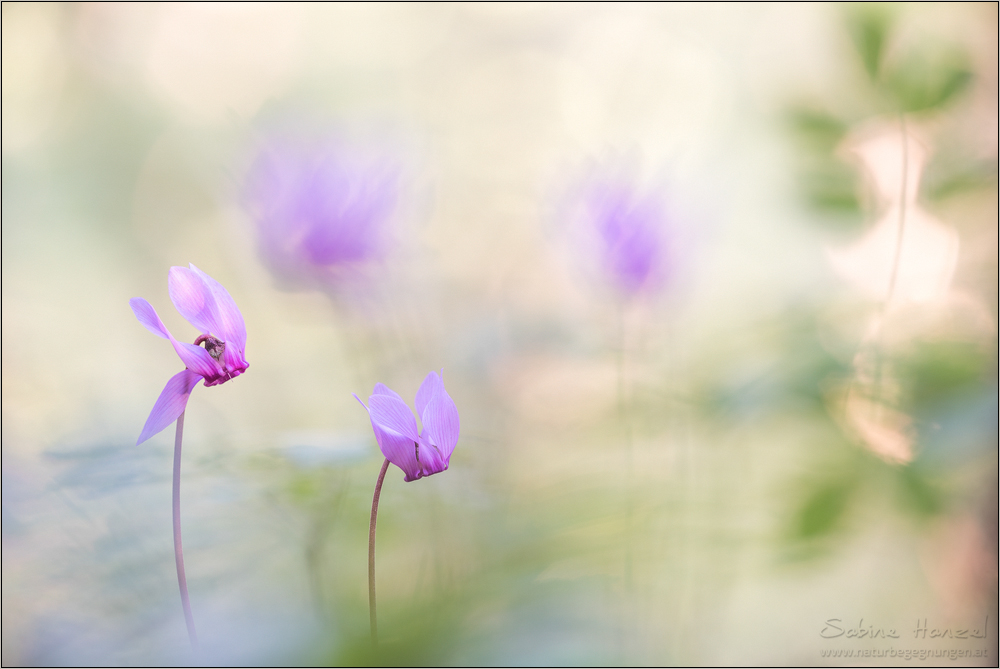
pixel 628 231
pixel 877 393
pixel 624 414
pixel 321 522
pixel 902 214
pixel 178 548
pixel 922 381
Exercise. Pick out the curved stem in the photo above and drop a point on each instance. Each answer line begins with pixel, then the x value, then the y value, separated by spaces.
pixel 178 549
pixel 625 416
pixel 896 260
pixel 902 214
pixel 371 554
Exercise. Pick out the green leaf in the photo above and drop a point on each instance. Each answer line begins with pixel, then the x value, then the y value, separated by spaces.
pixel 936 373
pixel 868 25
pixel 918 493
pixel 831 186
pixel 824 509
pixel 928 79
pixel 819 130
pixel 941 184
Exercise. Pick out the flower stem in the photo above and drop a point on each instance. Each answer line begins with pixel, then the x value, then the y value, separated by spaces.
pixel 902 215
pixel 625 416
pixel 178 549
pixel 371 554
pixel 894 272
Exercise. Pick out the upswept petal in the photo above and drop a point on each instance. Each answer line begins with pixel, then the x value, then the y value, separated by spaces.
pixel 210 308
pixel 432 383
pixel 392 414
pixel 441 423
pixel 146 314
pixel 232 328
pixel 401 451
pixel 194 357
pixel 382 389
pixel 170 404
pixel 197 359
pixel 193 298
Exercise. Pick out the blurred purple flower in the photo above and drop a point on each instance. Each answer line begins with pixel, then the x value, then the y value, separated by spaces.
pixel 204 303
pixel 322 210
pixel 417 454
pixel 629 230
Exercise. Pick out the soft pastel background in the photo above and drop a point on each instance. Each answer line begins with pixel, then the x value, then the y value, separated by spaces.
pixel 704 474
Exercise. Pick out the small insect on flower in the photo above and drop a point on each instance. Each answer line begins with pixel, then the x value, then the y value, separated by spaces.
pixel 204 303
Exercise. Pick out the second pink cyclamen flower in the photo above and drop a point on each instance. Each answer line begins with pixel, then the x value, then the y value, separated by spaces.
pixel 418 453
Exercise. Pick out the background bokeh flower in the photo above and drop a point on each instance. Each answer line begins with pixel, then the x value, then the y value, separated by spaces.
pixel 323 209
pixel 625 232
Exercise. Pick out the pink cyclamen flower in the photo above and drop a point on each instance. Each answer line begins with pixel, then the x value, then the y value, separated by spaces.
pixel 323 210
pixel 421 453
pixel 630 230
pixel 204 303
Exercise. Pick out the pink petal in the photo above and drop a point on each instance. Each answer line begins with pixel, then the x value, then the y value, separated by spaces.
pixel 170 404
pixel 441 422
pixel 382 389
pixel 232 328
pixel 401 451
pixel 194 357
pixel 431 461
pixel 197 359
pixel 146 314
pixel 234 360
pixel 392 414
pixel 431 384
pixel 194 300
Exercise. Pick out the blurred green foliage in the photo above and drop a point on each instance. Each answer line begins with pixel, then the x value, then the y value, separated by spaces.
pixel 845 483
pixel 947 387
pixel 921 490
pixel 941 381
pixel 847 489
pixel 791 378
pixel 824 508
pixel 936 373
pixel 928 80
pixel 924 78
pixel 942 182
pixel 868 25
pixel 827 184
